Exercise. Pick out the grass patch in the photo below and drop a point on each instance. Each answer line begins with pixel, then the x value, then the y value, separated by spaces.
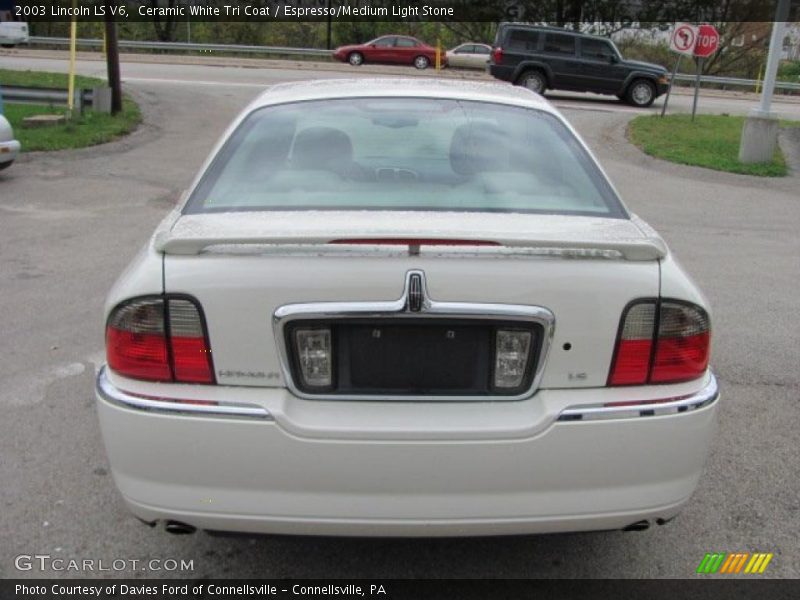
pixel 46 80
pixel 712 141
pixel 87 129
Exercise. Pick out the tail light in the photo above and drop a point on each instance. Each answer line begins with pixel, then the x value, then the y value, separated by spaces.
pixel 136 342
pixel 661 342
pixel 159 339
pixel 683 344
pixel 634 346
pixel 497 55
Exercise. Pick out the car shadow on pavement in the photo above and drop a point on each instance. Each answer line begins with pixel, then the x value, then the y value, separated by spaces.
pixel 611 553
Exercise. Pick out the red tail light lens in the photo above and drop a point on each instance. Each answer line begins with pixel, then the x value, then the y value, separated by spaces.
pixel 139 344
pixel 683 345
pixel 497 55
pixel 191 356
pixel 634 346
pixel 661 343
pixel 136 345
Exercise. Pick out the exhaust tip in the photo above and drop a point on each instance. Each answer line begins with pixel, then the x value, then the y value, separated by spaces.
pixel 638 526
pixel 178 528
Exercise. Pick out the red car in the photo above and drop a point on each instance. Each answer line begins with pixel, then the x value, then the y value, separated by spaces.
pixel 391 49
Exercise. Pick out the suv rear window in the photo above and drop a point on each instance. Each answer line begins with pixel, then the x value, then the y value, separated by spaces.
pixel 404 154
pixel 523 39
pixel 559 43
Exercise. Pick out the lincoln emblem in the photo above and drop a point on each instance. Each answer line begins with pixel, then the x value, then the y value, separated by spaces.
pixel 415 292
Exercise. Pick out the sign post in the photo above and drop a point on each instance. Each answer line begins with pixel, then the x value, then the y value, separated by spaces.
pixel 682 41
pixel 73 36
pixel 707 43
pixel 699 62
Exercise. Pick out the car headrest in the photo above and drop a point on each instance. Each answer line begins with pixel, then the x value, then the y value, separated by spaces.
pixel 318 147
pixel 478 147
pixel 268 153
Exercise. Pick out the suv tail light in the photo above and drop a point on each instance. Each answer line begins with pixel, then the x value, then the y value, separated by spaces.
pixel 661 342
pixel 497 55
pixel 159 339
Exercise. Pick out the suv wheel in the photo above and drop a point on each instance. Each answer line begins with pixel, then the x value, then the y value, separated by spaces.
pixel 355 58
pixel 421 62
pixel 641 93
pixel 534 81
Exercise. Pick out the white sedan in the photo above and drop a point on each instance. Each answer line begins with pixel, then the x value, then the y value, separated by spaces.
pixel 469 56
pixel 405 307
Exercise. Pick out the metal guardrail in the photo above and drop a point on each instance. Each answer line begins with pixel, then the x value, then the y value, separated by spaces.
pixel 287 51
pixel 83 98
pixel 737 82
pixel 186 47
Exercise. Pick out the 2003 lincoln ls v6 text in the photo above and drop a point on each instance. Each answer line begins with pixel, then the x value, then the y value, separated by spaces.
pixel 392 307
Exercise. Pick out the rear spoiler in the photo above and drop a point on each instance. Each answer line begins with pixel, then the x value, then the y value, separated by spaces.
pixel 641 249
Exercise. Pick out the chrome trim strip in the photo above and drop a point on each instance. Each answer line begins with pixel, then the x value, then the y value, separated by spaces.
pixel 110 393
pixel 401 309
pixel 648 408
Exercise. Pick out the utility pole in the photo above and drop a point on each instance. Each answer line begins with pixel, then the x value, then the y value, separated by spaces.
pixel 112 58
pixel 330 20
pixel 760 132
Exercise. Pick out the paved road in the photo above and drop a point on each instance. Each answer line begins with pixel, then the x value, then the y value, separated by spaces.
pixel 250 73
pixel 69 222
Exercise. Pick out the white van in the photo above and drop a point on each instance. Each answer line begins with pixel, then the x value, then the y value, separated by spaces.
pixel 13 33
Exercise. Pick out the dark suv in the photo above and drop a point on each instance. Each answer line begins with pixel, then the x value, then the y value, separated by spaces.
pixel 542 58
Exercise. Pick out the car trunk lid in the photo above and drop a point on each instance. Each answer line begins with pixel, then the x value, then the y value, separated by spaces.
pixel 243 267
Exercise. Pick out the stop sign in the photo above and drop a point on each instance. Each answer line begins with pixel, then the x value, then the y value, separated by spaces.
pixel 707 41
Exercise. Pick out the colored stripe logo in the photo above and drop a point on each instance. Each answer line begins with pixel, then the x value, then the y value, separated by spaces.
pixel 734 563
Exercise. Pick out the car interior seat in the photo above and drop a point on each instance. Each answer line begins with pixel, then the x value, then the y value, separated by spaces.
pixel 479 148
pixel 327 149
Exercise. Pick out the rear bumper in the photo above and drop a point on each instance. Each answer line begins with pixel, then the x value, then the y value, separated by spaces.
pixel 291 472
pixel 9 151
pixel 502 72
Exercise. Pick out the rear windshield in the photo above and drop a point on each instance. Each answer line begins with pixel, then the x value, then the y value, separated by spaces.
pixel 403 154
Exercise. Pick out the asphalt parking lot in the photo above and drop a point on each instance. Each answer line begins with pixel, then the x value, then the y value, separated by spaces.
pixel 70 221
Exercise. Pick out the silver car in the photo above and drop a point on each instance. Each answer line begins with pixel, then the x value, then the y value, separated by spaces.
pixel 469 56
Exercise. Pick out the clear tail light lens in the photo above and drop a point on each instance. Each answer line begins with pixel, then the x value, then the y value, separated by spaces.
pixel 661 343
pixel 313 347
pixel 140 345
pixel 512 349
